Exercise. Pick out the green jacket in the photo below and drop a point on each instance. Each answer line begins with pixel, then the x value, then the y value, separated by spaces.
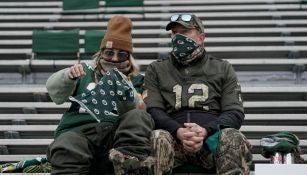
pixel 60 87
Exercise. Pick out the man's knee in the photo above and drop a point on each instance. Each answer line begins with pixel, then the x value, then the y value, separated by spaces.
pixel 162 134
pixel 234 153
pixel 233 141
pixel 232 136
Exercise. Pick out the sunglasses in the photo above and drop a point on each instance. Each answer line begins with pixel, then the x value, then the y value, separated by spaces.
pixel 121 55
pixel 182 17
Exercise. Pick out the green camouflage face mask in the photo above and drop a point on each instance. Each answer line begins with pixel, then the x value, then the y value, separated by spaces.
pixel 185 49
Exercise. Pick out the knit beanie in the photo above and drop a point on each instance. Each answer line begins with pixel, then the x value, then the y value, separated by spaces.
pixel 118 35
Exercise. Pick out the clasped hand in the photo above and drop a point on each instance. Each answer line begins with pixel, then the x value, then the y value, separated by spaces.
pixel 192 136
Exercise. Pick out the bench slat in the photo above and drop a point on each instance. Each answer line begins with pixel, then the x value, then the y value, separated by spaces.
pixel 244 128
pixel 268 117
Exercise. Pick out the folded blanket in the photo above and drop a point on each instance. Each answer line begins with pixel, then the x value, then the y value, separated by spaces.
pixel 37 165
pixel 113 95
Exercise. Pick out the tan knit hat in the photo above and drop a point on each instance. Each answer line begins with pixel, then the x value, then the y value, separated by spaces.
pixel 118 35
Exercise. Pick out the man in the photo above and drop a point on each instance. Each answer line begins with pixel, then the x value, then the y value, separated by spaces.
pixel 195 101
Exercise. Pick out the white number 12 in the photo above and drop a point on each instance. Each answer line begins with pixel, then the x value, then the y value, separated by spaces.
pixel 195 98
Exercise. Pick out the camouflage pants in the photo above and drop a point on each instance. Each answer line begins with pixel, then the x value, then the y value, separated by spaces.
pixel 233 158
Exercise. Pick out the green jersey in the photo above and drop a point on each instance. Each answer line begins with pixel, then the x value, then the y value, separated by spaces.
pixel 209 85
pixel 60 88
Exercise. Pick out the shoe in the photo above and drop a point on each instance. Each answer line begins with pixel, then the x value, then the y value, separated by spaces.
pixel 163 151
pixel 130 165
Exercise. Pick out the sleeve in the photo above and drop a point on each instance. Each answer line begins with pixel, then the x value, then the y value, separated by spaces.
pixel 231 91
pixel 163 121
pixel 60 87
pixel 230 118
pixel 232 114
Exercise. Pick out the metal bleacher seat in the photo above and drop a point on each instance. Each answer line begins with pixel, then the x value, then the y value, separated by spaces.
pixel 265 41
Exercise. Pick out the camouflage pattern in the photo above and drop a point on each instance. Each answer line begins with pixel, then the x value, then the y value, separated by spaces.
pixel 298 159
pixel 234 156
pixel 161 161
pixel 169 86
pixel 130 165
pixel 163 151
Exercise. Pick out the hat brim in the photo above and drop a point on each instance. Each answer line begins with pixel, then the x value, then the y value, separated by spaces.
pixel 170 25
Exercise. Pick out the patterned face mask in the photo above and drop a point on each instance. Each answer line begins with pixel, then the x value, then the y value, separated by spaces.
pixel 185 49
pixel 124 66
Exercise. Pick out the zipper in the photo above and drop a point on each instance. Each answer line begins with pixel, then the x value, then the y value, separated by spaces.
pixel 188 118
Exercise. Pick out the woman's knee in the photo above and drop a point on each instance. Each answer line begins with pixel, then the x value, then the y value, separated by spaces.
pixel 138 116
pixel 69 147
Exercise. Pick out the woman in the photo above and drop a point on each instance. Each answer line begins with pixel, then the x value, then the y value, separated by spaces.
pixel 82 145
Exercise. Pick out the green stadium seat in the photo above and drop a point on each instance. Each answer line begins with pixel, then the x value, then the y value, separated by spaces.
pixel 80 4
pixel 92 39
pixel 125 3
pixel 55 45
pixel 302 2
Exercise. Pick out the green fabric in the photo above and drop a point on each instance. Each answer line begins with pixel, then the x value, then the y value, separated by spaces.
pixel 74 116
pixel 80 4
pixel 73 151
pixel 133 132
pixel 92 41
pixel 37 165
pixel 183 47
pixel 138 82
pixel 213 142
pixel 60 87
pixel 171 87
pixel 281 142
pixel 55 42
pixel 123 3
pixel 101 102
